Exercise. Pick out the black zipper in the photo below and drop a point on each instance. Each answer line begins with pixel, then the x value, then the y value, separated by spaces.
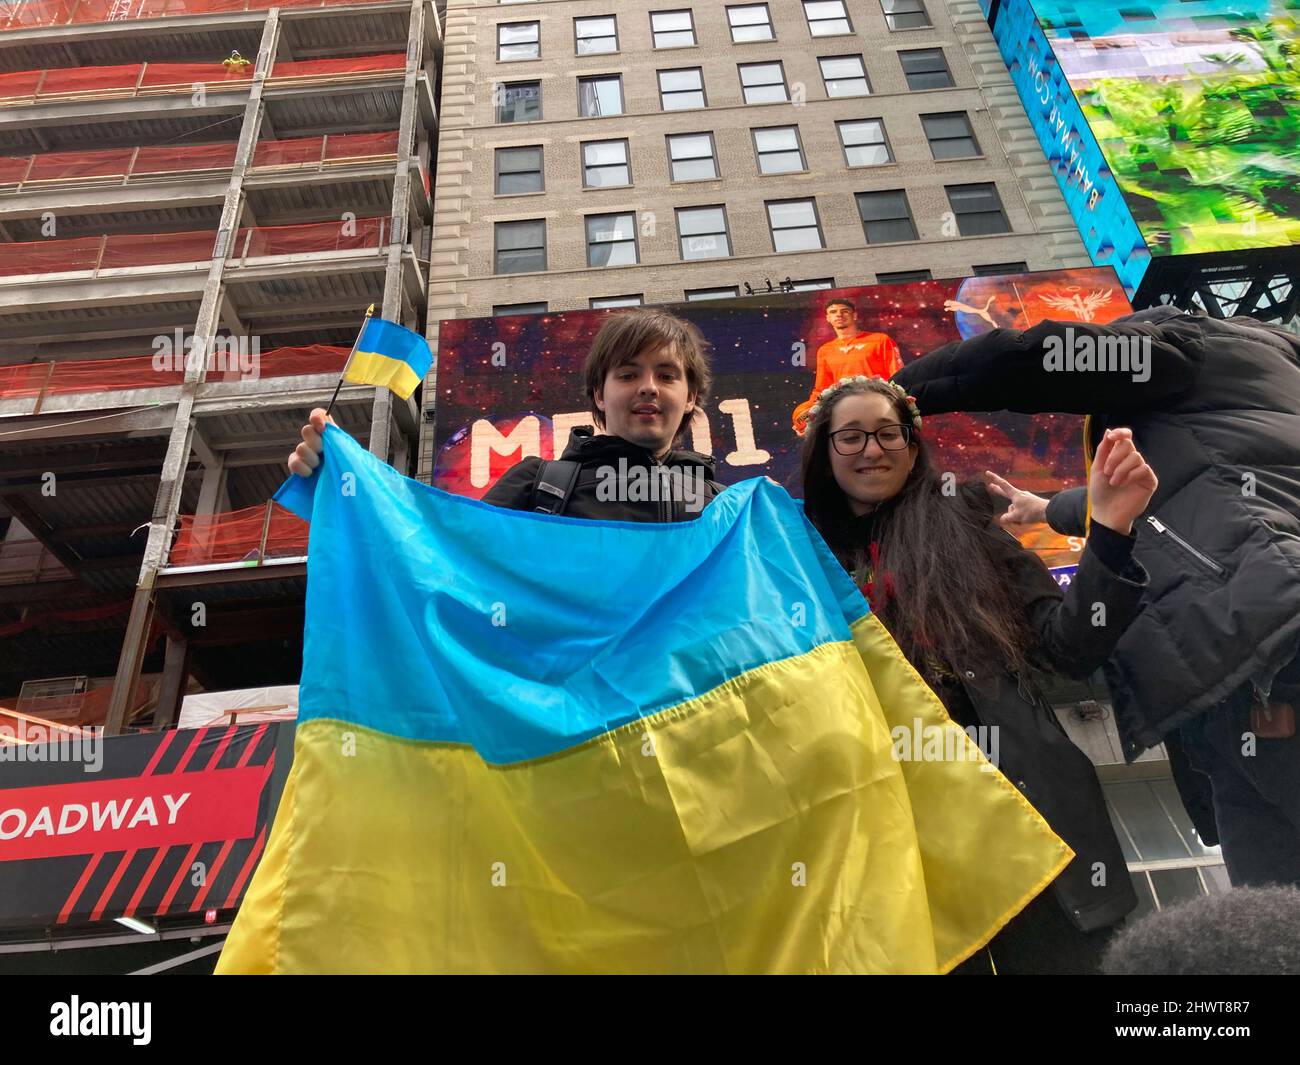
pixel 1200 556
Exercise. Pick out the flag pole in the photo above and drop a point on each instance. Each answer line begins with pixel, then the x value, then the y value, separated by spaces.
pixel 369 311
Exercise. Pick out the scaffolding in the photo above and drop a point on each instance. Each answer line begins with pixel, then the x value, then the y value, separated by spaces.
pixel 263 212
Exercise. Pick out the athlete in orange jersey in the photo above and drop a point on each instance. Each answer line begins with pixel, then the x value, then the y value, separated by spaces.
pixel 853 351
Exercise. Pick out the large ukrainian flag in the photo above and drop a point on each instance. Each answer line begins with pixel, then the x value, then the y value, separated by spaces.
pixel 538 744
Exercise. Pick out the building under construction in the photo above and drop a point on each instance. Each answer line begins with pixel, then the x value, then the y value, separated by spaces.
pixel 199 200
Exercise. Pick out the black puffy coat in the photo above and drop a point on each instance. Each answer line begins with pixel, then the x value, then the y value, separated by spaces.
pixel 1219 421
pixel 602 457
pixel 1034 751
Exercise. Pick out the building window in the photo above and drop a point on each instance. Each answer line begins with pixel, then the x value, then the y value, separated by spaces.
pixel 886 216
pixel 600 96
pixel 763 83
pixel 845 75
pixel 826 17
pixel 605 303
pixel 672 29
pixel 693 294
pixel 750 22
pixel 702 232
pixel 519 170
pixel 925 68
pixel 812 285
pixel 692 156
pixel 518 40
pixel 994 269
pixel 901 277
pixel 681 90
pixel 502 310
pixel 905 14
pixel 978 209
pixel 520 246
pixel 950 135
pixel 605 163
pixel 865 143
pixel 594 36
pixel 1167 859
pixel 611 240
pixel 519 101
pixel 794 225
pixel 779 150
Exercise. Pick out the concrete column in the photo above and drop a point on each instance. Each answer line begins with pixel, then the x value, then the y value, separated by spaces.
pixel 382 420
pixel 167 503
pixel 171 690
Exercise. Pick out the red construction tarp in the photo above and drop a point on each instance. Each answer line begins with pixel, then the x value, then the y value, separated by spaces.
pixel 132 78
pixel 153 249
pixel 152 160
pixel 145 371
pixel 237 536
pixel 29 14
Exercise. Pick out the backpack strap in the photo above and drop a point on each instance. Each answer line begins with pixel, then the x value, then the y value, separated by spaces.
pixel 554 485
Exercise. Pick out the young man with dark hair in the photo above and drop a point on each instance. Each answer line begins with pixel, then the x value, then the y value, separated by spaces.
pixel 646 374
pixel 851 352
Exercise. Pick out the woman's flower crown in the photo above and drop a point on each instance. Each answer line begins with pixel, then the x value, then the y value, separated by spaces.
pixel 830 390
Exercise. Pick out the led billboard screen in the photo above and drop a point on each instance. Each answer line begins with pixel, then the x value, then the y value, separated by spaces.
pixel 1193 109
pixel 511 387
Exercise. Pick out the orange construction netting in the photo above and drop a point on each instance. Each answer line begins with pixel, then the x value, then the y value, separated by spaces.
pixel 249 535
pixel 147 371
pixel 150 161
pixel 321 151
pixel 32 14
pixel 29 86
pixel 154 249
pixel 351 235
pixel 358 64
pixel 102 82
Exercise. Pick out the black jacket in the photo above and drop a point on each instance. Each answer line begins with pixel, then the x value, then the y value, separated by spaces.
pixel 616 482
pixel 1218 419
pixel 1034 752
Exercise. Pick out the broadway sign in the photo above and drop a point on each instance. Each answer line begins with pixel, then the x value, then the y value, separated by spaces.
pixel 157 824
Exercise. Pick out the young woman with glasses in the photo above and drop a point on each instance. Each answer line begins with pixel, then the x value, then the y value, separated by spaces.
pixel 975 613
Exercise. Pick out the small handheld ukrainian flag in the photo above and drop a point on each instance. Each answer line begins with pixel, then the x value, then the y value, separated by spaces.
pixel 388 355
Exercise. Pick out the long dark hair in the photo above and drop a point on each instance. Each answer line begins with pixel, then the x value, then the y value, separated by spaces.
pixel 938 587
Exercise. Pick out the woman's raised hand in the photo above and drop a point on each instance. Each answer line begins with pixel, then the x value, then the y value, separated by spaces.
pixel 1026 508
pixel 1122 484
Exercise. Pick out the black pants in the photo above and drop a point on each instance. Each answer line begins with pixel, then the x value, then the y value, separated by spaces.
pixel 1256 794
pixel 1039 941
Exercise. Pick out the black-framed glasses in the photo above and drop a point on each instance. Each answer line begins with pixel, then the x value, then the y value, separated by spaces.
pixel 854 441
